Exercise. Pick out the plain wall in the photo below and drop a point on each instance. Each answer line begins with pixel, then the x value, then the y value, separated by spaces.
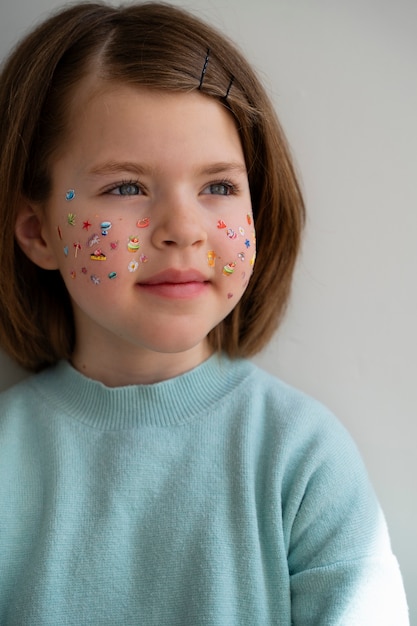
pixel 343 77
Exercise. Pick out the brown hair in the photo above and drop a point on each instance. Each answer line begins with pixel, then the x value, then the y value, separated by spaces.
pixel 158 46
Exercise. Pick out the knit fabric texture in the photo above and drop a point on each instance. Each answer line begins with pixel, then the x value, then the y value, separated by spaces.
pixel 220 497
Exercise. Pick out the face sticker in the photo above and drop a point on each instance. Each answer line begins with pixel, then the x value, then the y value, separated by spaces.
pixel 211 258
pixel 70 195
pixel 143 258
pixel 114 245
pixel 231 233
pixel 73 274
pixel 105 227
pixel 77 247
pixel 241 231
pixel 112 275
pixel 84 270
pixel 241 256
pixel 249 219
pixel 221 224
pixel 59 233
pixel 229 269
pixel 93 241
pixel 95 279
pixel 133 245
pixel 66 250
pixel 133 266
pixel 86 225
pixel 144 223
pixel 247 243
pixel 98 255
pixel 71 219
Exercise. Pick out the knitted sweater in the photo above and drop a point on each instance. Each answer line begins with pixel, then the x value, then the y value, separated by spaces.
pixel 221 497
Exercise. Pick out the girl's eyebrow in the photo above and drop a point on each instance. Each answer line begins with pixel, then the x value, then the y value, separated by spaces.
pixel 115 167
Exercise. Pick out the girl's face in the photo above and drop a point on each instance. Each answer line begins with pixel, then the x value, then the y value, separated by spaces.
pixel 150 224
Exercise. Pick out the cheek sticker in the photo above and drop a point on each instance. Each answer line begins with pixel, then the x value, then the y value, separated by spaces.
pixel 95 279
pixel 73 274
pixel 98 255
pixel 231 233
pixel 86 225
pixel 77 246
pixel 105 227
pixel 93 241
pixel 114 245
pixel 221 224
pixel 143 258
pixel 247 243
pixel 70 195
pixel 211 258
pixel 59 233
pixel 249 219
pixel 133 245
pixel 112 275
pixel 229 269
pixel 133 266
pixel 71 219
pixel 66 250
pixel 241 256
pixel 144 223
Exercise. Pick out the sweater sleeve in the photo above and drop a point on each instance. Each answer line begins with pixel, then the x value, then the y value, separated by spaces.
pixel 342 569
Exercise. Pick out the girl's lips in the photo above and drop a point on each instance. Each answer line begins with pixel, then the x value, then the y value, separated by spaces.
pixel 176 284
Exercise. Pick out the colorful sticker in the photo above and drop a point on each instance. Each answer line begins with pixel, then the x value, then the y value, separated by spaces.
pixel 105 227
pixel 77 246
pixel 241 256
pixel 70 195
pixel 112 275
pixel 133 245
pixel 86 225
pixel 71 219
pixel 133 266
pixel 143 223
pixel 231 233
pixel 143 258
pixel 73 274
pixel 95 279
pixel 221 224
pixel 211 258
pixel 93 241
pixel 247 243
pixel 249 219
pixel 241 231
pixel 229 269
pixel 98 255
pixel 66 251
pixel 114 245
pixel 84 270
pixel 59 232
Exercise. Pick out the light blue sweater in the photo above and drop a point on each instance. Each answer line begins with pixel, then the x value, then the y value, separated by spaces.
pixel 221 497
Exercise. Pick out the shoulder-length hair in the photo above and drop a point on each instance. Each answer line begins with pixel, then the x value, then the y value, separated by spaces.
pixel 157 46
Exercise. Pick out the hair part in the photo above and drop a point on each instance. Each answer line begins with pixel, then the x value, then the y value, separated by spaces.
pixel 157 46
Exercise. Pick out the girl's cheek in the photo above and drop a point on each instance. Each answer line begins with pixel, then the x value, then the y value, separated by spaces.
pixel 99 250
pixel 235 253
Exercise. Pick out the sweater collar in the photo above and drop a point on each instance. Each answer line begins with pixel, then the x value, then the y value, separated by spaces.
pixel 171 402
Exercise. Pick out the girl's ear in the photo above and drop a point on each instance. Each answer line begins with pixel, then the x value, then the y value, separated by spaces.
pixel 32 237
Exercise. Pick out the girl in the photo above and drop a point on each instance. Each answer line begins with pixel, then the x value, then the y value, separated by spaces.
pixel 150 474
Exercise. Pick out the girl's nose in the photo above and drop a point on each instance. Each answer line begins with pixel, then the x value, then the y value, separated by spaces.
pixel 179 223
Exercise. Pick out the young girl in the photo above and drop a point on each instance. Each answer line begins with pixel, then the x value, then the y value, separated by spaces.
pixel 149 473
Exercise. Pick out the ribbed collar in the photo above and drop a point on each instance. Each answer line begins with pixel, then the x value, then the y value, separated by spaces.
pixel 168 403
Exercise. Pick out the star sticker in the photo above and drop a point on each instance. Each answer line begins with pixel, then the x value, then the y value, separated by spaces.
pixel 86 225
pixel 247 243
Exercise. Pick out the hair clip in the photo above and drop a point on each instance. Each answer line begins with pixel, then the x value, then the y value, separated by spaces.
pixel 204 68
pixel 229 87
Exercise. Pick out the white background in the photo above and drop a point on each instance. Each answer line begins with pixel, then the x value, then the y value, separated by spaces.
pixel 343 76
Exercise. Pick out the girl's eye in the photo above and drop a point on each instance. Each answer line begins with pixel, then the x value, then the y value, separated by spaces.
pixel 220 189
pixel 126 189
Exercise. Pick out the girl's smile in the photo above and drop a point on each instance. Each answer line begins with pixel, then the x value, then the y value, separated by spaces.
pixel 150 225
